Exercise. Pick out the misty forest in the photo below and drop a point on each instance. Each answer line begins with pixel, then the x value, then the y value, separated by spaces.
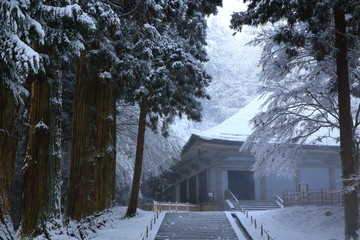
pixel 97 99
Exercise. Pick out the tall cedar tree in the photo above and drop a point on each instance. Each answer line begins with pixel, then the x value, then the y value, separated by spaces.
pixel 317 16
pixel 41 191
pixel 8 141
pixel 17 61
pixel 91 185
pixel 163 68
pixel 348 161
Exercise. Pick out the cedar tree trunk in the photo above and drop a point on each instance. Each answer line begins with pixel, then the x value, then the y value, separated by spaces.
pixel 8 140
pixel 92 168
pixel 41 193
pixel 105 145
pixel 135 189
pixel 347 146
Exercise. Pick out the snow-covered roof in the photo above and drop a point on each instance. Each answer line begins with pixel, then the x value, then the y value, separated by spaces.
pixel 238 128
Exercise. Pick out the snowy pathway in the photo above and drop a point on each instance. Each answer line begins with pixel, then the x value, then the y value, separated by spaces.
pixel 198 225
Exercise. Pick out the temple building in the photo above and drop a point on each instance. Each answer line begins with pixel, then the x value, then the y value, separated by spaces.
pixel 211 163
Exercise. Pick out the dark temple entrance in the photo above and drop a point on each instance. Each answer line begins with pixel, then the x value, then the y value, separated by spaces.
pixel 241 184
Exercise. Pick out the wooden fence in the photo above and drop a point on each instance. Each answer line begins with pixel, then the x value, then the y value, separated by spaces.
pixel 322 197
pixel 174 206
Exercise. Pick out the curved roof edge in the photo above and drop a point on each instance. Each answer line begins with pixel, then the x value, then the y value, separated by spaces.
pixel 198 138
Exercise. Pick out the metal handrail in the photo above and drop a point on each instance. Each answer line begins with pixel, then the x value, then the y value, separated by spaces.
pixel 230 196
pixel 278 200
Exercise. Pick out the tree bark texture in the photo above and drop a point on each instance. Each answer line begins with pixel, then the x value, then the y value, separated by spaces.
pixel 93 157
pixel 8 141
pixel 41 193
pixel 135 188
pixel 347 145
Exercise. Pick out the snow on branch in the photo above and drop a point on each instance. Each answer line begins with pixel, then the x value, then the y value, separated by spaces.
pixel 41 125
pixel 352 183
pixel 301 105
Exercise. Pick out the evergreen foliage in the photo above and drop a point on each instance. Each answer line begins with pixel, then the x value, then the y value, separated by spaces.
pixel 164 71
pixel 17 57
pixel 129 51
pixel 17 60
pixel 164 59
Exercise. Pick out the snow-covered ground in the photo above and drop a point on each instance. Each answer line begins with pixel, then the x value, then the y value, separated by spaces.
pixel 295 223
pixel 111 226
pixel 133 228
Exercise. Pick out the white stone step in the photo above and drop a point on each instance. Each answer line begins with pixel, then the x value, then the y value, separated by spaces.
pixel 256 205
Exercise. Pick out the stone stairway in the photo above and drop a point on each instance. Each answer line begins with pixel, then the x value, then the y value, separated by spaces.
pixel 196 226
pixel 253 205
